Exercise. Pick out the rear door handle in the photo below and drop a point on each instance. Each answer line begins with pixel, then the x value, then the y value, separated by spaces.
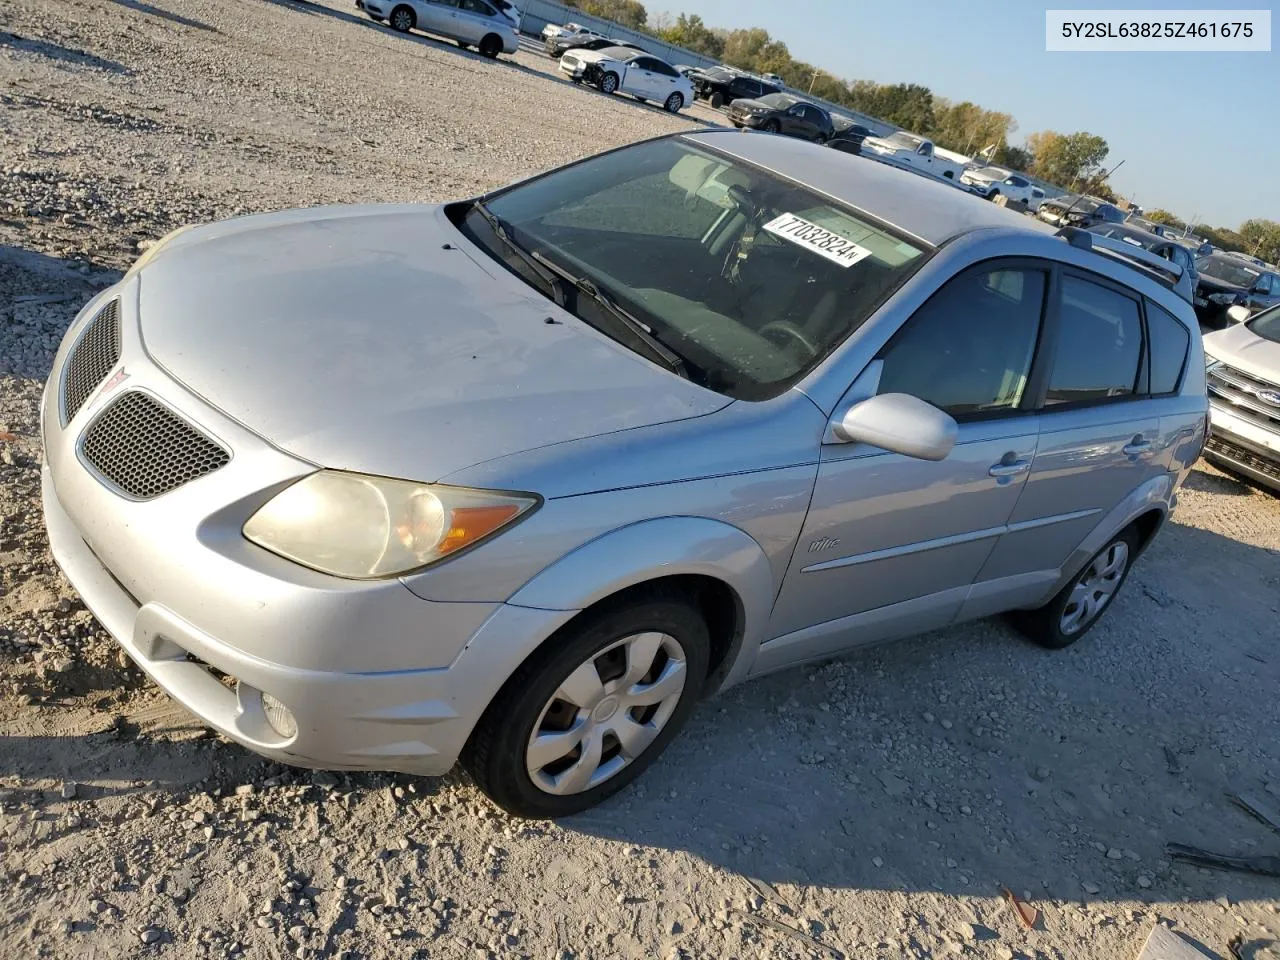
pixel 1136 447
pixel 1014 469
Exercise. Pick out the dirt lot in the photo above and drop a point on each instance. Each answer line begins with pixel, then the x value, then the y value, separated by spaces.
pixel 872 807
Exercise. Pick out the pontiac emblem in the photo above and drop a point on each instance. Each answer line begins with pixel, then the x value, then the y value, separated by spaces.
pixel 119 377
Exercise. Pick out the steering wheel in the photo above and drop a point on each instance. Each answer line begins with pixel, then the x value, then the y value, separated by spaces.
pixel 792 331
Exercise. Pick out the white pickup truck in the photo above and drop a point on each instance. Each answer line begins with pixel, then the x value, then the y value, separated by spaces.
pixel 908 150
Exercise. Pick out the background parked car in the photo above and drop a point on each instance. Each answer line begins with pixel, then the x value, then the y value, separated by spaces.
pixel 720 85
pixel 992 182
pixel 1082 212
pixel 552 30
pixel 624 70
pixel 1162 247
pixel 1228 281
pixel 557 47
pixel 848 139
pixel 1242 366
pixel 783 113
pixel 470 23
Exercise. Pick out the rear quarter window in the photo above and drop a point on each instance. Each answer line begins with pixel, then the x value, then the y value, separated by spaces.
pixel 1169 342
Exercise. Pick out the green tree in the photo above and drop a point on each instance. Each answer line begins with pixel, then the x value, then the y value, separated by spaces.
pixel 1164 216
pixel 691 33
pixel 1261 238
pixel 1015 158
pixel 628 13
pixel 1067 159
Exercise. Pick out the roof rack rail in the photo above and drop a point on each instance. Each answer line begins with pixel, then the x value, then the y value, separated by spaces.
pixel 1166 271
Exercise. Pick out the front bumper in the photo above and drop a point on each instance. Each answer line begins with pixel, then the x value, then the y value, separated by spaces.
pixel 1242 445
pixel 374 676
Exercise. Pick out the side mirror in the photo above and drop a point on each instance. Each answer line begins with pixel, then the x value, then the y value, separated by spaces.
pixel 899 423
pixel 1238 313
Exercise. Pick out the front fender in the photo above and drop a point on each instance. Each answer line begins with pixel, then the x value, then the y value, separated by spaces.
pixel 666 547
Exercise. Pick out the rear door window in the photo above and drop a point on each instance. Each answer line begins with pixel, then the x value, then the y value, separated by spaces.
pixel 1099 347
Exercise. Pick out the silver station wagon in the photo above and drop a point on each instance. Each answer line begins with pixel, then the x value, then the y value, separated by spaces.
pixel 515 481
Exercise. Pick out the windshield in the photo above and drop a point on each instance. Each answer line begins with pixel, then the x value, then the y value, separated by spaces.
pixel 777 101
pixel 1228 270
pixel 904 140
pixel 749 279
pixel 1267 324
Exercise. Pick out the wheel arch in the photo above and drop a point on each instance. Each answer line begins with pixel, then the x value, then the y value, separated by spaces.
pixel 720 567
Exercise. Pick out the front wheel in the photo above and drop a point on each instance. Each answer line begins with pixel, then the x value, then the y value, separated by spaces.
pixel 717 100
pixel 587 713
pixel 675 103
pixel 402 19
pixel 1080 604
pixel 771 127
pixel 609 83
pixel 491 46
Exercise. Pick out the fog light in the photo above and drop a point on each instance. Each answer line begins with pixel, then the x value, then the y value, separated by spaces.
pixel 279 717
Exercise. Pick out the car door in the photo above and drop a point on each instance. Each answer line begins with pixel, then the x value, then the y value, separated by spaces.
pixel 666 80
pixel 437 16
pixel 792 122
pixel 1099 433
pixel 474 20
pixel 640 80
pixel 891 544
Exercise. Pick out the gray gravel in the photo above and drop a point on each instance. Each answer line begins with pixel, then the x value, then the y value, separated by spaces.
pixel 871 807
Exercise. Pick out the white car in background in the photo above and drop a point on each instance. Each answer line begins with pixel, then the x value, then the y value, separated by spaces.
pixel 568 31
pixel 991 182
pixel 487 25
pixel 624 70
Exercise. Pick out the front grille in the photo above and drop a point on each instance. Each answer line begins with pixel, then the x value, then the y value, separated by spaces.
pixel 1243 392
pixel 145 449
pixel 91 359
pixel 1243 457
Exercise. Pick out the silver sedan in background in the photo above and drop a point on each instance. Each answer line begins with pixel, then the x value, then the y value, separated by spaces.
pixel 518 479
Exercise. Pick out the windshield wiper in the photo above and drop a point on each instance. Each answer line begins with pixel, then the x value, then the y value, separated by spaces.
pixel 530 260
pixel 637 328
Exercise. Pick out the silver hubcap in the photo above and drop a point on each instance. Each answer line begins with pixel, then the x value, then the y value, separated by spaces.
pixel 1095 588
pixel 606 713
pixel 609 84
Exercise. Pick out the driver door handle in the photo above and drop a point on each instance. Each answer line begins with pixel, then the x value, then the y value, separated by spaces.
pixel 1137 446
pixel 1014 469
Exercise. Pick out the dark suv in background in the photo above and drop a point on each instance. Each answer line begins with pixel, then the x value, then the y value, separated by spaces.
pixel 1227 281
pixel 720 85
pixel 783 113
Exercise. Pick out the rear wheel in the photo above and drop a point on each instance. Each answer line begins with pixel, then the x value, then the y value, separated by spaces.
pixel 675 103
pixel 491 46
pixel 586 714
pixel 1080 604
pixel 402 18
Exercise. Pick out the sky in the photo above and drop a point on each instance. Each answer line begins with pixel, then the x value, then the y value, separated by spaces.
pixel 1199 133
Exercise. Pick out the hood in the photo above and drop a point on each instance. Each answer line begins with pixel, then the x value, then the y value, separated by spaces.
pixel 884 146
pixel 1238 346
pixel 1213 284
pixel 378 339
pixel 591 56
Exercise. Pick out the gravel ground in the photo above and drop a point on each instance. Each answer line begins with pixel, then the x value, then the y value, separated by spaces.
pixel 871 807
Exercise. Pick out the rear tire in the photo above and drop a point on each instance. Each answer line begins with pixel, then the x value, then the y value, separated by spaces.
pixel 490 46
pixel 402 19
pixel 561 690
pixel 1081 603
pixel 674 104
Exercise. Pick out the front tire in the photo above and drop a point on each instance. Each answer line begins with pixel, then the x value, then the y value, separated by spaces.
pixel 771 127
pixel 590 710
pixel 717 100
pixel 609 83
pixel 1081 603
pixel 402 19
pixel 490 46
pixel 675 103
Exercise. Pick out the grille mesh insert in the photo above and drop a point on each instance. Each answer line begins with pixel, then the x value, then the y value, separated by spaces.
pixel 92 358
pixel 145 449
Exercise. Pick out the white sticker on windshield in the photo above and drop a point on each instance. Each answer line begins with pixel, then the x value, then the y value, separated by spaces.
pixel 820 240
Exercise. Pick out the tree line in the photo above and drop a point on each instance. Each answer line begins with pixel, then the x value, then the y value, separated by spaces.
pixel 1074 161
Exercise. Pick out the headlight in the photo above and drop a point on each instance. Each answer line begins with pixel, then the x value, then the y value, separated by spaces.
pixel 150 253
pixel 365 528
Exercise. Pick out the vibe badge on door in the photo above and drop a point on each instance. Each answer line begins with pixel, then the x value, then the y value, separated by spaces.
pixel 820 240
